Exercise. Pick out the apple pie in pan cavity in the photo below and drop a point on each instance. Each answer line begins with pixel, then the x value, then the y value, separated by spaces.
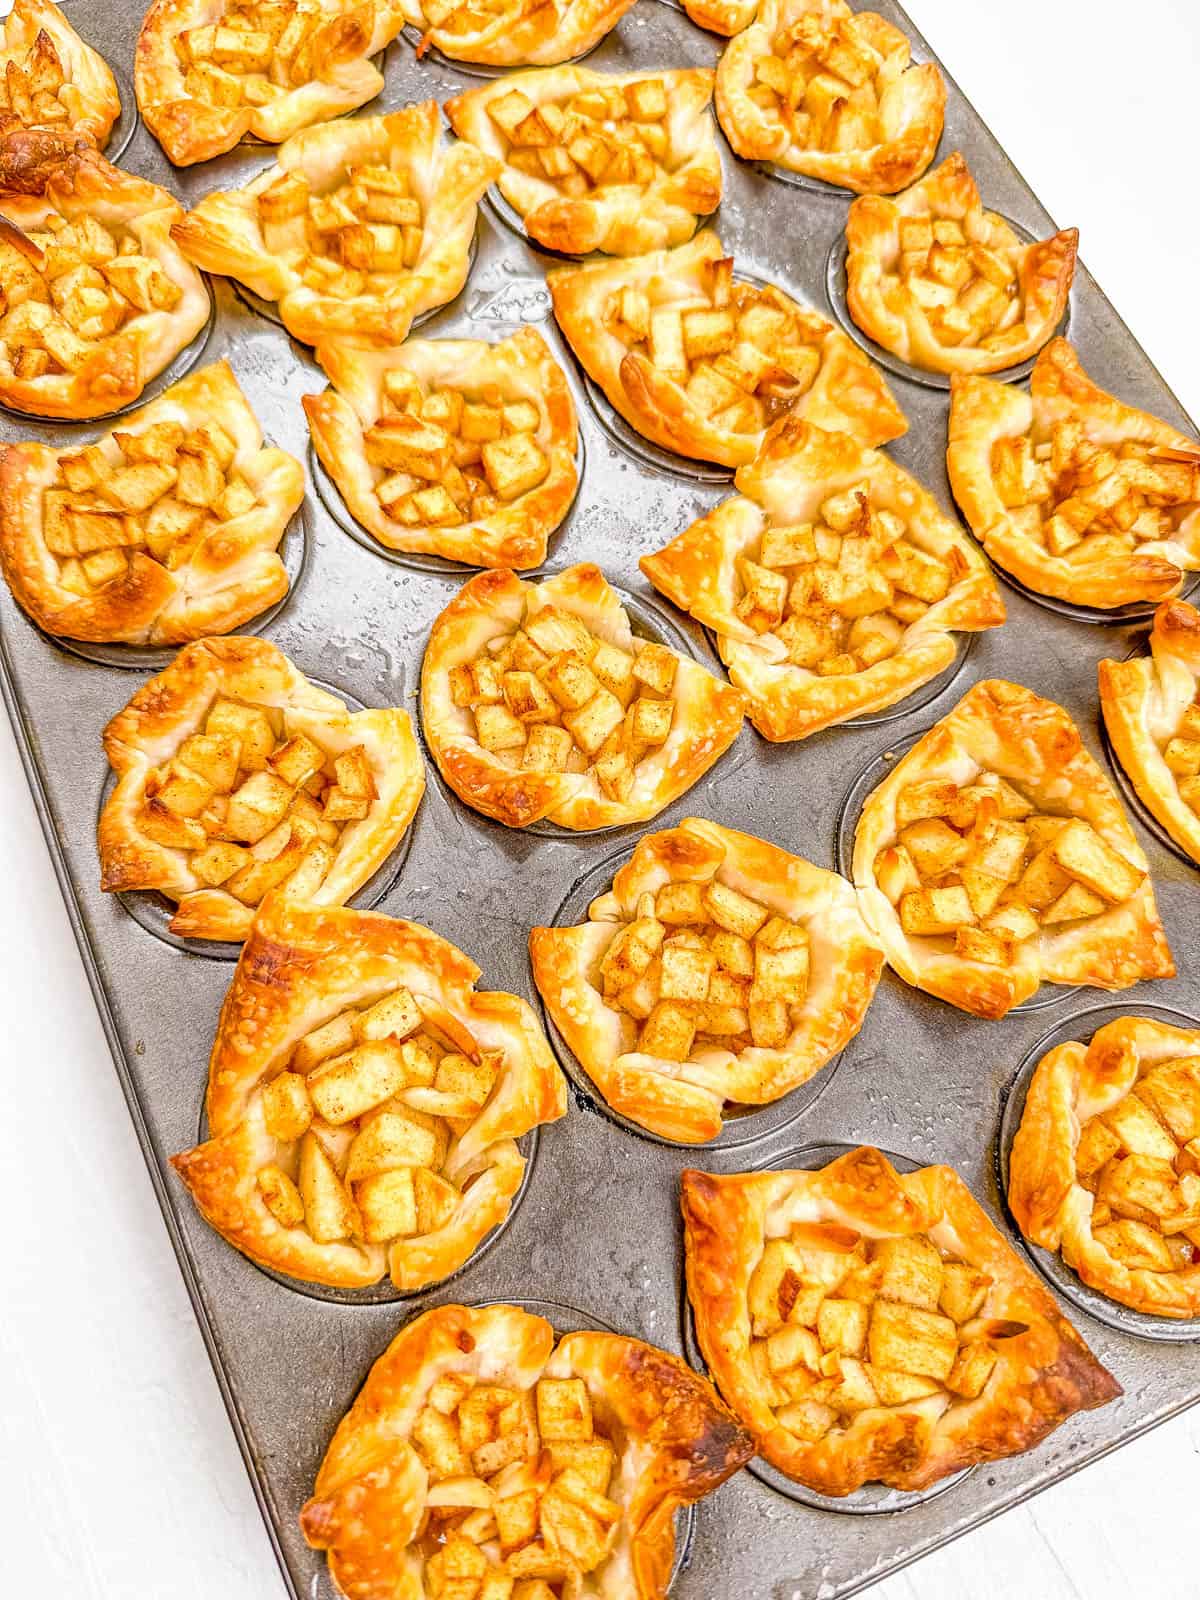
pixel 947 286
pixel 1074 493
pixel 359 226
pixel 717 970
pixel 833 582
pixel 235 776
pixel 702 363
pixel 50 79
pixel 595 161
pixel 209 72
pixel 164 530
pixel 95 297
pixel 538 701
pixel 830 93
pixel 364 1100
pixel 453 447
pixel 481 1461
pixel 995 857
pixel 872 1326
pixel 514 33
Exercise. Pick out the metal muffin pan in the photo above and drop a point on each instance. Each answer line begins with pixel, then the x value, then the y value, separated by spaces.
pixel 599 1222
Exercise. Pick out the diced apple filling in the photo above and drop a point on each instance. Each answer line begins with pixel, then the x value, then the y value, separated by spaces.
pixel 597 138
pixel 257 50
pixel 35 85
pixel 820 78
pixel 970 292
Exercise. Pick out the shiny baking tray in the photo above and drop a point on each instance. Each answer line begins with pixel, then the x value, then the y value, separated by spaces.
pixel 597 1227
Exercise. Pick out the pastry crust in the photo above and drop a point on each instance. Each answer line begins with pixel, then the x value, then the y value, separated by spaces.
pixel 652 165
pixel 1023 465
pixel 671 1442
pixel 240 233
pixel 1032 746
pixel 725 17
pixel 806 366
pixel 71 361
pixel 580 980
pixel 516 33
pixel 195 586
pixel 507 529
pixel 495 607
pixel 1132 1089
pixel 1042 1373
pixel 877 136
pixel 143 743
pixel 716 571
pixel 271 71
pixel 980 302
pixel 304 966
pixel 50 79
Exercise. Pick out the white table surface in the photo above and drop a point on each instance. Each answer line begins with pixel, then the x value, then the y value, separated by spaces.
pixel 118 1471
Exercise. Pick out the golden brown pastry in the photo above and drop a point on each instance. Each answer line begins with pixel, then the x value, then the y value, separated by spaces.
pixel 947 286
pixel 1105 1167
pixel 364 1100
pixel 725 17
pixel 623 163
pixel 1076 494
pixel 95 298
pixel 482 1462
pixel 823 90
pixel 872 1326
pixel 995 857
pixel 164 530
pixel 718 968
pixel 237 776
pixel 538 701
pixel 209 72
pixel 454 447
pixel 359 226
pixel 514 33
pixel 833 582
pixel 50 79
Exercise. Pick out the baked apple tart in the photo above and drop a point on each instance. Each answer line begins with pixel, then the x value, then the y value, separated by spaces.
pixel 514 33
pixel 870 1326
pixel 718 969
pixel 50 80
pixel 236 776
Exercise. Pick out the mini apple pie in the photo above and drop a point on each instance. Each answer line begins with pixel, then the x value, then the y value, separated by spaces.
pixel 237 776
pixel 480 1462
pixel 209 72
pixel 451 446
pixel 95 298
pixel 50 79
pixel 594 161
pixel 995 857
pixel 539 701
pixel 359 226
pixel 364 1101
pixel 1105 1167
pixel 834 583
pixel 819 89
pixel 1076 494
pixel 945 285
pixel 164 530
pixel 702 363
pixel 870 1326
pixel 514 33
pixel 718 969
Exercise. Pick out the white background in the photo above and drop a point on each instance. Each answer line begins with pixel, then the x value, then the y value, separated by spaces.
pixel 118 1472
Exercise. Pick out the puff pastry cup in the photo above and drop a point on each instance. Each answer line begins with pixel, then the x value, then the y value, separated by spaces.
pixel 164 530
pixel 481 1461
pixel 209 72
pixel 364 1100
pixel 50 79
pixel 623 163
pixel 1076 494
pixel 717 969
pixel 833 581
pixel 539 701
pixel 514 33
pixel 872 1326
pixel 995 856
pixel 822 90
pixel 947 286
pixel 359 226
pixel 1105 1167
pixel 454 447
pixel 702 363
pixel 95 297
pixel 236 776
